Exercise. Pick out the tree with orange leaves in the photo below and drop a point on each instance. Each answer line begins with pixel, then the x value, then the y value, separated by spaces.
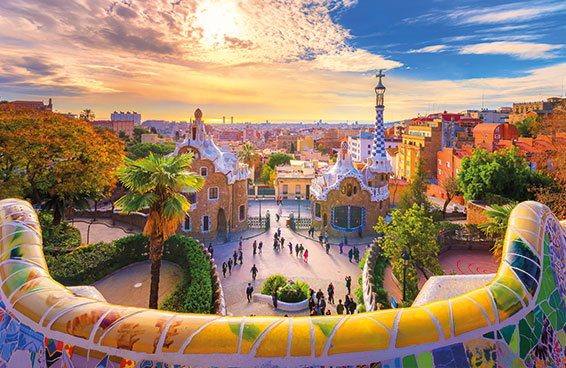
pixel 54 161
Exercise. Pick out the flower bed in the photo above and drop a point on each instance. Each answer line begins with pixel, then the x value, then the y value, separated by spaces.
pixel 287 290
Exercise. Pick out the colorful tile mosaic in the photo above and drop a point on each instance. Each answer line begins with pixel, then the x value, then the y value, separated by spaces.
pixel 517 320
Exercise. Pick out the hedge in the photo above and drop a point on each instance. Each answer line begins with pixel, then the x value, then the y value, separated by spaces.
pixel 88 264
pixel 286 292
pixel 378 271
pixel 62 236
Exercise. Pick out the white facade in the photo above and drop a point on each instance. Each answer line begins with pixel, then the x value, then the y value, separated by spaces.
pixel 489 116
pixel 359 147
pixel 126 116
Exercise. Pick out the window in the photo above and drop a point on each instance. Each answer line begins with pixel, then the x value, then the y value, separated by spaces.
pixel 242 212
pixel 317 210
pixel 497 136
pixel 297 189
pixel 355 189
pixel 348 218
pixel 349 190
pixel 213 194
pixel 439 162
pixel 285 189
pixel 448 164
pixel 191 197
pixel 204 172
pixel 187 223
pixel 439 172
pixel 205 224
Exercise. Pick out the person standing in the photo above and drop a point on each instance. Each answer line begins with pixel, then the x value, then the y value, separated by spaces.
pixel 301 250
pixel 297 249
pixel 356 255
pixel 260 247
pixel 230 265
pixel 350 254
pixel 306 255
pixel 319 295
pixel 249 292
pixel 255 246
pixel 341 245
pixel 327 247
pixel 235 256
pixel 254 271
pixel 282 242
pixel 274 299
pixel 322 305
pixel 290 248
pixel 345 239
pixel 347 304
pixel 348 283
pixel 340 307
pixel 241 257
pixel 279 232
pixel 330 293
pixel 210 250
pixel 352 306
pixel 224 267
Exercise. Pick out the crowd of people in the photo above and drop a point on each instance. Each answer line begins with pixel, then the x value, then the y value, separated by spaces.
pixel 318 304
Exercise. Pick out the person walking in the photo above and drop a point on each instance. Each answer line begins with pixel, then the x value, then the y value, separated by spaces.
pixel 254 271
pixel 350 254
pixel 275 244
pixel 340 307
pixel 297 249
pixel 347 304
pixel 322 305
pixel 274 299
pixel 306 255
pixel 224 267
pixel 290 248
pixel 235 256
pixel 356 255
pixel 255 247
pixel 348 283
pixel 260 247
pixel 320 237
pixel 330 293
pixel 210 250
pixel 311 302
pixel 282 242
pixel 249 291
pixel 230 265
pixel 327 247
pixel 241 257
pixel 341 245
pixel 279 232
pixel 301 250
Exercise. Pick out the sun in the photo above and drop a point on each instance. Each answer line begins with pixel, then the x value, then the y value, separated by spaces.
pixel 217 18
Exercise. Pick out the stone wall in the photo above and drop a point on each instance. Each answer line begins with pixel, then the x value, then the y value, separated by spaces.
pixel 475 211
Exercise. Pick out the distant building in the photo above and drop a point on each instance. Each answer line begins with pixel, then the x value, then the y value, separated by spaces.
pixel 489 116
pixel 294 180
pixel 419 142
pixel 359 147
pixel 221 206
pixel 37 105
pixel 489 135
pixel 126 126
pixel 154 138
pixel 285 141
pixel 521 110
pixel 125 116
pixel 306 143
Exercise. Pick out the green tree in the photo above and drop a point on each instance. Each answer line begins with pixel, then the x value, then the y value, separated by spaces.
pixel 498 177
pixel 142 150
pixel 497 227
pixel 249 155
pixel 266 172
pixel 278 159
pixel 529 126
pixel 414 233
pixel 416 192
pixel 292 149
pixel 87 115
pixel 55 161
pixel 157 182
pixel 450 186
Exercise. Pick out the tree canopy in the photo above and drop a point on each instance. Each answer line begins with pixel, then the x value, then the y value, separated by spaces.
pixel 55 161
pixel 416 192
pixel 277 159
pixel 413 232
pixel 142 150
pixel 500 176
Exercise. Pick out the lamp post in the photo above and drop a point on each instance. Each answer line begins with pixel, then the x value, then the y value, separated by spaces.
pixel 299 206
pixel 405 257
pixel 259 201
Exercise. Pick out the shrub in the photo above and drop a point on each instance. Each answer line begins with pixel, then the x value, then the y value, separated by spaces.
pixel 273 283
pixel 62 236
pixel 293 293
pixel 382 297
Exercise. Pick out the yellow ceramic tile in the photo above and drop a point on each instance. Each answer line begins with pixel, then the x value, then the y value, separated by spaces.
pixel 35 284
pixel 253 328
pixel 441 311
pixel 323 327
pixel 181 328
pixel 415 327
pixel 481 297
pixel 357 334
pixel 507 303
pixel 116 314
pixel 19 274
pixel 139 333
pixel 301 343
pixel 275 342
pixel 466 316
pixel 219 337
pixel 506 277
pixel 80 321
pixel 385 317
pixel 34 305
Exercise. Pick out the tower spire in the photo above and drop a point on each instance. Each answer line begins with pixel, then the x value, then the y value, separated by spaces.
pixel 379 160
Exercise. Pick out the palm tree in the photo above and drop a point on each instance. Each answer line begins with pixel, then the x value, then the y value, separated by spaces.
pixel 497 227
pixel 87 115
pixel 157 182
pixel 249 155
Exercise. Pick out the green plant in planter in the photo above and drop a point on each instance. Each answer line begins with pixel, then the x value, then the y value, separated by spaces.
pixel 273 283
pixel 294 293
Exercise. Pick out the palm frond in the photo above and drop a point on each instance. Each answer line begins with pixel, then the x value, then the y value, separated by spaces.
pixel 175 207
pixel 135 201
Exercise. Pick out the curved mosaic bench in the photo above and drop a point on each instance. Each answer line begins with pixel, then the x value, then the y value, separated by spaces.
pixel 516 320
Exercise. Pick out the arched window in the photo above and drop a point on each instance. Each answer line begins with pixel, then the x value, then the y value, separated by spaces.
pixel 349 190
pixel 355 189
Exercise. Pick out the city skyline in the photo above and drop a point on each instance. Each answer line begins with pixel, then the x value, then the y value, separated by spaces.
pixel 279 60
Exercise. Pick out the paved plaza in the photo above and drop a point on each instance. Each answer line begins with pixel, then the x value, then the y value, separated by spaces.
pixel 102 230
pixel 468 262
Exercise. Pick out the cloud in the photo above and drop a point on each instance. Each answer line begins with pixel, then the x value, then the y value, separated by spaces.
pixel 430 49
pixel 522 50
pixel 517 12
pixel 353 61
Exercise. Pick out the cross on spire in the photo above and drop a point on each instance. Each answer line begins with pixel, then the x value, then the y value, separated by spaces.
pixel 380 75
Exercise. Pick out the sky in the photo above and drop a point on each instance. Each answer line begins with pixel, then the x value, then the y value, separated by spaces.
pixel 281 60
